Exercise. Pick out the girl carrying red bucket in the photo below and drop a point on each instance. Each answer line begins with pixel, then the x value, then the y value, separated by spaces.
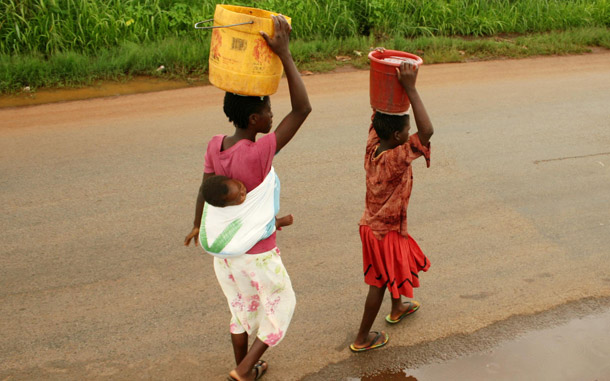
pixel 391 257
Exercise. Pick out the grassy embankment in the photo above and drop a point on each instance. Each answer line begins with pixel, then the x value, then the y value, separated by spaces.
pixel 57 43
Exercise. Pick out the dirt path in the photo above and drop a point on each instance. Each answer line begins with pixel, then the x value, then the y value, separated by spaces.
pixel 97 196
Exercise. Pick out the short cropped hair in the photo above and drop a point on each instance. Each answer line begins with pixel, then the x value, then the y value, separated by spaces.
pixel 238 108
pixel 385 125
pixel 215 190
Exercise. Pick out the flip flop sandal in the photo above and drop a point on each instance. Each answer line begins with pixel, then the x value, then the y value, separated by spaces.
pixel 373 345
pixel 258 369
pixel 414 307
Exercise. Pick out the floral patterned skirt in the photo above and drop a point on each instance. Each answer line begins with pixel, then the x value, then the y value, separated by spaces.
pixel 259 293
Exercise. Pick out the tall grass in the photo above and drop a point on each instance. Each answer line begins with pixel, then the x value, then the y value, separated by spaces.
pixel 483 17
pixel 51 26
pixel 64 42
pixel 187 58
pixel 180 57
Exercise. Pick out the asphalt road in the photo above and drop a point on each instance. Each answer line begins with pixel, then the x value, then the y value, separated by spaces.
pixel 97 196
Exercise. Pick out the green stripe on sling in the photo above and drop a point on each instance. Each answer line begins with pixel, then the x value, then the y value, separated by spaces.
pixel 223 239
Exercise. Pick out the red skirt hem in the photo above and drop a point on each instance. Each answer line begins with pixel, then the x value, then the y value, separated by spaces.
pixel 393 262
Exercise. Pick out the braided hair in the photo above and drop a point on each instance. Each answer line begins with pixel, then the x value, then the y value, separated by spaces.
pixel 238 108
pixel 385 125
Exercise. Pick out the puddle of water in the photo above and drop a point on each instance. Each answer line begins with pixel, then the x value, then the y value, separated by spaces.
pixel 100 89
pixel 577 350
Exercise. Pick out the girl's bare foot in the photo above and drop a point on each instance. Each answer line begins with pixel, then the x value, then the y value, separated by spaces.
pixel 372 339
pixel 399 311
pixel 379 340
pixel 284 221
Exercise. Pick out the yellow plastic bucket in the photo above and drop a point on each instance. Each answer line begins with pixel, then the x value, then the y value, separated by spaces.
pixel 240 61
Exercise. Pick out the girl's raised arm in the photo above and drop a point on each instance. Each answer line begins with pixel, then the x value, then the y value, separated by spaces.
pixel 301 107
pixel 407 75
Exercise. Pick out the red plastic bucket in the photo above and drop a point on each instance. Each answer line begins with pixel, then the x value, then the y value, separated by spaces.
pixel 387 94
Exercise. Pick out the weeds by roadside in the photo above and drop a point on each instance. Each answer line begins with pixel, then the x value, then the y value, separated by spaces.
pixel 57 43
pixel 186 59
pixel 49 27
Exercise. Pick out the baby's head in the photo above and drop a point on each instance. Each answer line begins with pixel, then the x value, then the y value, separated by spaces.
pixel 222 191
pixel 249 112
pixel 392 127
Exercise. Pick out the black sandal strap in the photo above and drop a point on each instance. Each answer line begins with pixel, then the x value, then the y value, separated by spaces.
pixel 375 339
pixel 258 369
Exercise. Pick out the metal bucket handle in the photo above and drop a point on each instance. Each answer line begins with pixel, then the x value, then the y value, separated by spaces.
pixel 218 26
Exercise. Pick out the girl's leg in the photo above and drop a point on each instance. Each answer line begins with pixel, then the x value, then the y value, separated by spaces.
pixel 240 346
pixel 244 370
pixel 273 323
pixel 371 308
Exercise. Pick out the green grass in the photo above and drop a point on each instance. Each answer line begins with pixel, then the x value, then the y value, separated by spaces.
pixel 187 58
pixel 54 43
pixel 180 57
pixel 53 26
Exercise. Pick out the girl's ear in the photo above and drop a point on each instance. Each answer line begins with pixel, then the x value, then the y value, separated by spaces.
pixel 252 119
pixel 396 135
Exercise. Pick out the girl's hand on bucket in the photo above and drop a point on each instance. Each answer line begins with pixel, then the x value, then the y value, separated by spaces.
pixel 281 36
pixel 407 74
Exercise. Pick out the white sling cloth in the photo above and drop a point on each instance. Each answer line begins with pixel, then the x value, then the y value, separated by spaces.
pixel 233 230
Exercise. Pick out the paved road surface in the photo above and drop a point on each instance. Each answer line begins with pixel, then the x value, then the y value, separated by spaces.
pixel 97 195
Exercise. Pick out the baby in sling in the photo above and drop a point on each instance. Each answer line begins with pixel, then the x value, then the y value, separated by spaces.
pixel 234 220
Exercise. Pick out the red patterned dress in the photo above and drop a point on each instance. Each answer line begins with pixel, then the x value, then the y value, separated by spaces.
pixel 391 257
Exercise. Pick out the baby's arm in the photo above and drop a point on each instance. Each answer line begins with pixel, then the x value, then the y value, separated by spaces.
pixel 407 75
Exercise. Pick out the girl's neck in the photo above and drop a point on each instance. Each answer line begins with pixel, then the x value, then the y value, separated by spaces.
pixel 385 145
pixel 240 134
pixel 244 133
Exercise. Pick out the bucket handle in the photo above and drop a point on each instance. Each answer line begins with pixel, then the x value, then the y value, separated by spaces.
pixel 218 26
